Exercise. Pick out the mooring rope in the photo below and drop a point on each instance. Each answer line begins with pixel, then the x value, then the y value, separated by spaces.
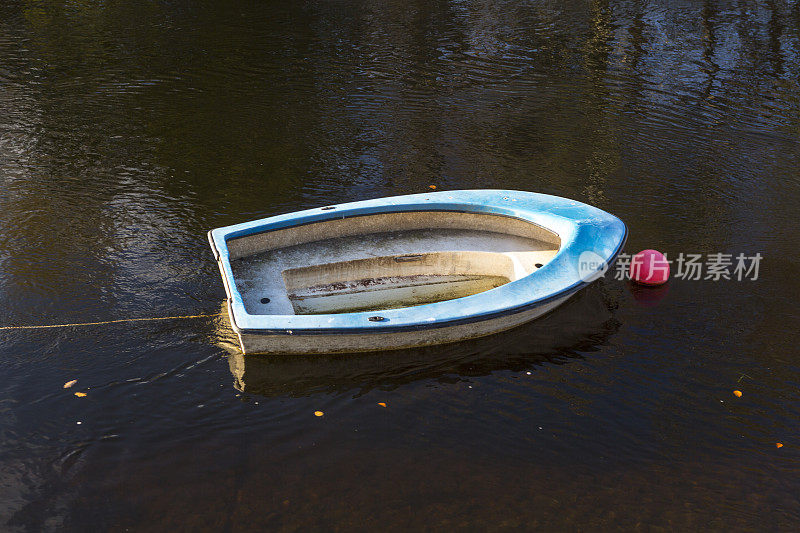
pixel 182 317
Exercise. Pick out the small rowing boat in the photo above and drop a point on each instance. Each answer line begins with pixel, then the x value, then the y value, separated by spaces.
pixel 408 271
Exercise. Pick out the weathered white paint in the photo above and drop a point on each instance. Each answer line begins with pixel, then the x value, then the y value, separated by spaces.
pixel 395 281
pixel 385 223
pixel 261 275
pixel 338 343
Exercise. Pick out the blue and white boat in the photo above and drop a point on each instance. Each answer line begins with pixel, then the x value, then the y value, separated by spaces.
pixel 408 271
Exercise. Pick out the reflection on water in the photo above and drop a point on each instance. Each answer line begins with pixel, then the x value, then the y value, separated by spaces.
pixel 581 325
pixel 127 130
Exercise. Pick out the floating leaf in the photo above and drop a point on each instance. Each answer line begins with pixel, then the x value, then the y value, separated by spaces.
pixel 778 445
pixel 318 413
pixel 737 393
pixel 432 187
pixel 80 394
pixel 69 384
pixel 382 404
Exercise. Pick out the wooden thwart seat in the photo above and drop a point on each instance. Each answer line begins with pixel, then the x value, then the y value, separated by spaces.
pixel 395 281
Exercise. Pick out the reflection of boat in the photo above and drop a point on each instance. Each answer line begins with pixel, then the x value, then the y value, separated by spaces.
pixel 582 324
pixel 407 271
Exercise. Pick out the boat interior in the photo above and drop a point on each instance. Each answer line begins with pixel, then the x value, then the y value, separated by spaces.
pixel 384 261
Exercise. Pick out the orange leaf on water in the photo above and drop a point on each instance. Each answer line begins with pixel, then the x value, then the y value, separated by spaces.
pixel 432 187
pixel 737 393
pixel 69 384
pixel 80 394
pixel 382 404
pixel 778 445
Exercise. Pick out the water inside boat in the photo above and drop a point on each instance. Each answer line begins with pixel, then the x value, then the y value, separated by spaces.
pixel 384 261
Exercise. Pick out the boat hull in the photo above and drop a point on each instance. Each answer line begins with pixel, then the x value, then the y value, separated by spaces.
pixel 408 271
pixel 291 343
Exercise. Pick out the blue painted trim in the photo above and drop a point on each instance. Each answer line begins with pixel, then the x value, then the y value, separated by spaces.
pixel 580 227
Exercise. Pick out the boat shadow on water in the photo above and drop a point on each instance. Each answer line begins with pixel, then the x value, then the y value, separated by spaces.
pixel 581 325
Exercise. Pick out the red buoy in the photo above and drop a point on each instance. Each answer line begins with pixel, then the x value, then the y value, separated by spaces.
pixel 649 267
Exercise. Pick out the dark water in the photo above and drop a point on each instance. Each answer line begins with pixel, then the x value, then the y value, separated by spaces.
pixel 128 129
